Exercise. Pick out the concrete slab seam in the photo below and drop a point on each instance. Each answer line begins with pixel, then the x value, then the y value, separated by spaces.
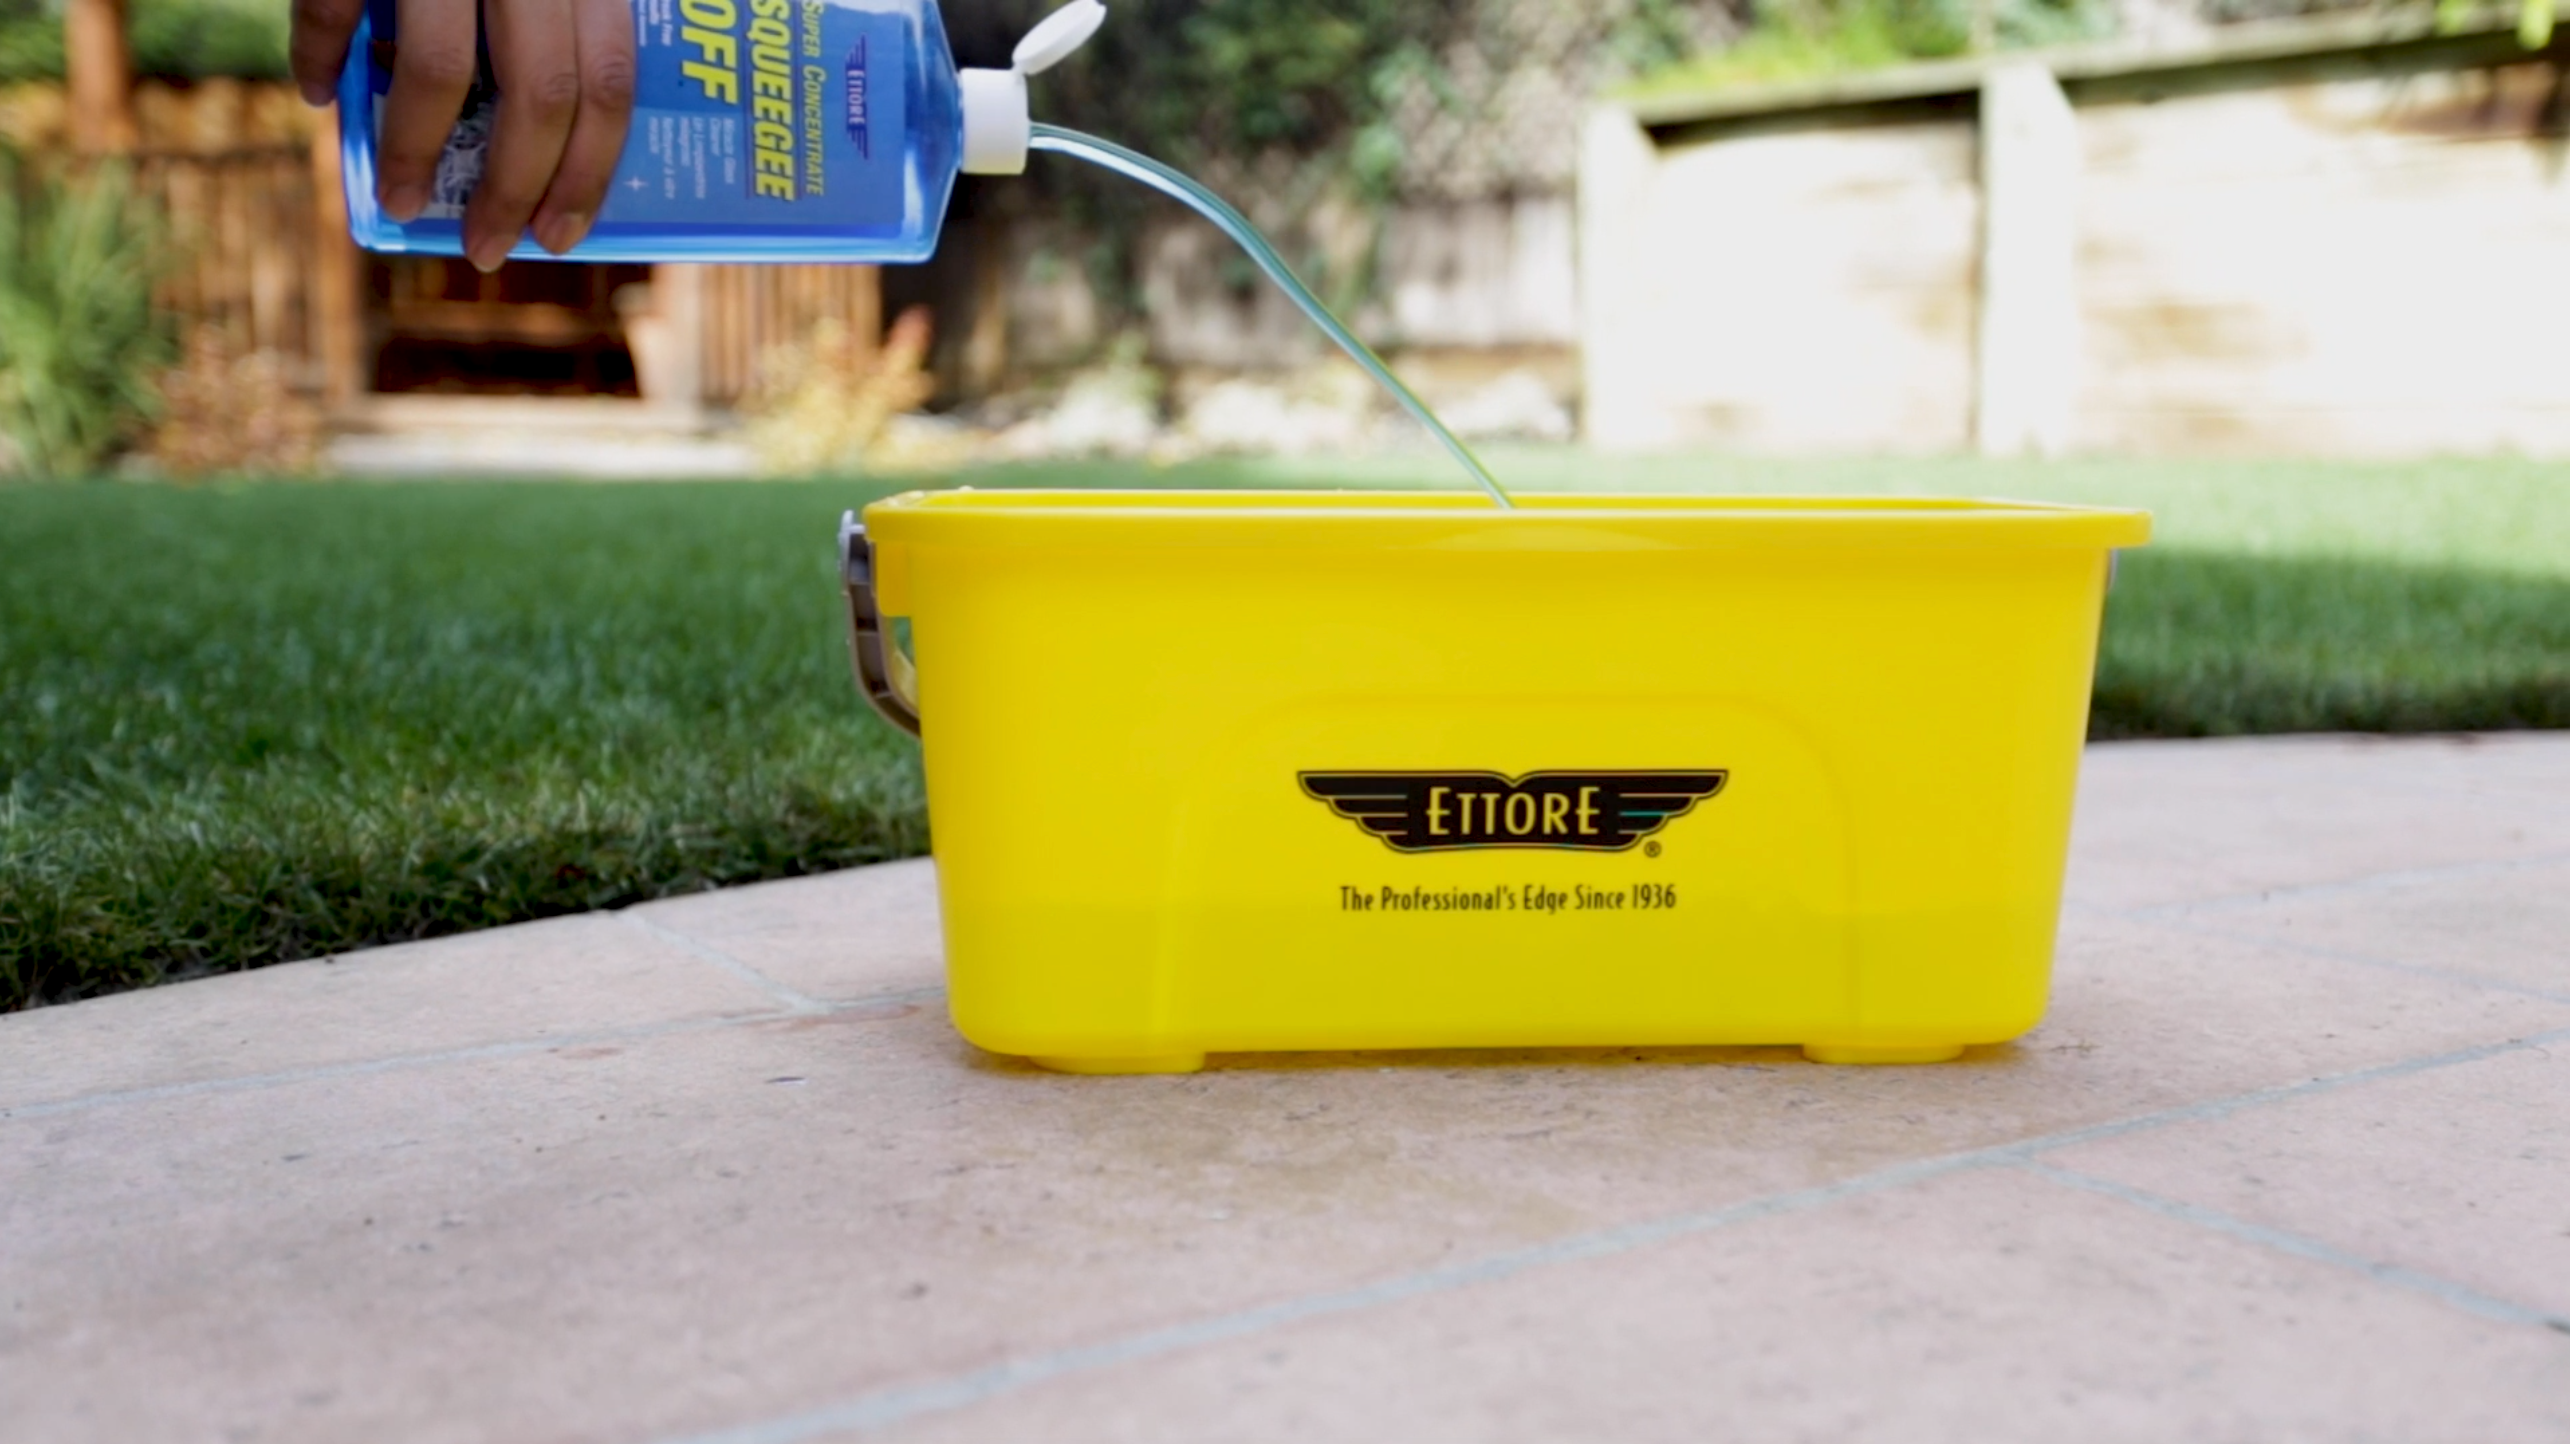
pixel 903 1402
pixel 899 1403
pixel 2444 1290
pixel 792 998
pixel 478 1052
pixel 2361 883
pixel 366 1067
pixel 2340 955
pixel 2219 1108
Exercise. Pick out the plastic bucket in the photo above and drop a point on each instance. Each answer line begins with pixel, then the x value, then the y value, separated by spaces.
pixel 1260 771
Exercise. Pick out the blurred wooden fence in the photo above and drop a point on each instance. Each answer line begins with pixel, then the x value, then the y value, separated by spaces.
pixel 749 309
pixel 261 262
pixel 249 180
pixel 248 247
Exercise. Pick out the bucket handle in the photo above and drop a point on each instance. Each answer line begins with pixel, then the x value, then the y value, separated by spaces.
pixel 884 673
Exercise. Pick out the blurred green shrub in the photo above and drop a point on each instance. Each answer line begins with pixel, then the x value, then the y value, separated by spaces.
pixel 1799 39
pixel 1306 108
pixel 80 344
pixel 171 39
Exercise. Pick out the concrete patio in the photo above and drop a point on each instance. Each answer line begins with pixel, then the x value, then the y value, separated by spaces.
pixel 2290 1159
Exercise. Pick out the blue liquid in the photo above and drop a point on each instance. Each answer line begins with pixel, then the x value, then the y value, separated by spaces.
pixel 1178 187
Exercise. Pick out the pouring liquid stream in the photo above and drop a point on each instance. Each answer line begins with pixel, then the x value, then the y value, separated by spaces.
pixel 1187 192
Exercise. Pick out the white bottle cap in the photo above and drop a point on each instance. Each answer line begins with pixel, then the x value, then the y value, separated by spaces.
pixel 1057 35
pixel 995 123
pixel 996 127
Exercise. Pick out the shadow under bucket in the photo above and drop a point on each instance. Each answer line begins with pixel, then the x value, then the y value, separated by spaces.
pixel 1257 771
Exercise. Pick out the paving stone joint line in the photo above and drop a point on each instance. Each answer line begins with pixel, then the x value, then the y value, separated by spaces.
pixel 2362 960
pixel 2359 883
pixel 474 1053
pixel 793 998
pixel 2435 1286
pixel 897 1404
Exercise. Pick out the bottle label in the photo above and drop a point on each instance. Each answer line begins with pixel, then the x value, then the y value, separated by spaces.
pixel 757 114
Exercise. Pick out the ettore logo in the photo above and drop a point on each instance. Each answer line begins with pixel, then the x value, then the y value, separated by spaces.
pixel 1575 811
pixel 856 73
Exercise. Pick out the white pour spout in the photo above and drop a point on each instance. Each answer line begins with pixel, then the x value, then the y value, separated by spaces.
pixel 996 125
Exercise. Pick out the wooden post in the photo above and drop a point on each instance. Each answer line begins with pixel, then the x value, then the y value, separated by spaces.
pixel 1625 354
pixel 2029 333
pixel 668 340
pixel 338 272
pixel 101 72
pixel 865 306
pixel 985 347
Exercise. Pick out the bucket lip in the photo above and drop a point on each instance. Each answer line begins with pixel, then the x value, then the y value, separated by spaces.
pixel 1236 518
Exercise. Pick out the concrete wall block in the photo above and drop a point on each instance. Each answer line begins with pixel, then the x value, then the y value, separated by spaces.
pixel 1485 273
pixel 2355 267
pixel 1805 291
pixel 2306 258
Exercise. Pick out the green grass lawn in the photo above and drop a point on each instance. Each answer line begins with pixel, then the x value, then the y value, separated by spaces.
pixel 247 725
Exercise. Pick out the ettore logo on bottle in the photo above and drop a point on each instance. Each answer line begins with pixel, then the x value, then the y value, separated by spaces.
pixel 857 100
pixel 1571 811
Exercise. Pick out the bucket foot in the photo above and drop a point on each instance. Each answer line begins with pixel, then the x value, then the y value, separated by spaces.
pixel 1867 1053
pixel 1151 1063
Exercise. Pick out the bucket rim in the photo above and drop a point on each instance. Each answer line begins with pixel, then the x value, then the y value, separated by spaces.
pixel 1047 517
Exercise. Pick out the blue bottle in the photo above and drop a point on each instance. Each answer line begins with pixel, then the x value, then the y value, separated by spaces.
pixel 763 130
pixel 801 130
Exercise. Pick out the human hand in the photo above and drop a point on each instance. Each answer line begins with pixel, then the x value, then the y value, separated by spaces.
pixel 564 72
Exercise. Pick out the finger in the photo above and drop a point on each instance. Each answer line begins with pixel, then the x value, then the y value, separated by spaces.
pixel 579 189
pixel 320 44
pixel 432 71
pixel 535 59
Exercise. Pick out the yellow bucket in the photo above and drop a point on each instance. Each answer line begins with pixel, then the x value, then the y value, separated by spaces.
pixel 1239 772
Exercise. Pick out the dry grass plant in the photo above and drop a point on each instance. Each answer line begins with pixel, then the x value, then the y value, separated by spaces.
pixel 230 410
pixel 822 406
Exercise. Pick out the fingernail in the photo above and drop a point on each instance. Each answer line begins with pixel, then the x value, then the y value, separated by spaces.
pixel 560 233
pixel 486 256
pixel 405 201
pixel 316 93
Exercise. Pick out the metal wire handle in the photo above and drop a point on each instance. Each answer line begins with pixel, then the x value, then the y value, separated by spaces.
pixel 884 674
